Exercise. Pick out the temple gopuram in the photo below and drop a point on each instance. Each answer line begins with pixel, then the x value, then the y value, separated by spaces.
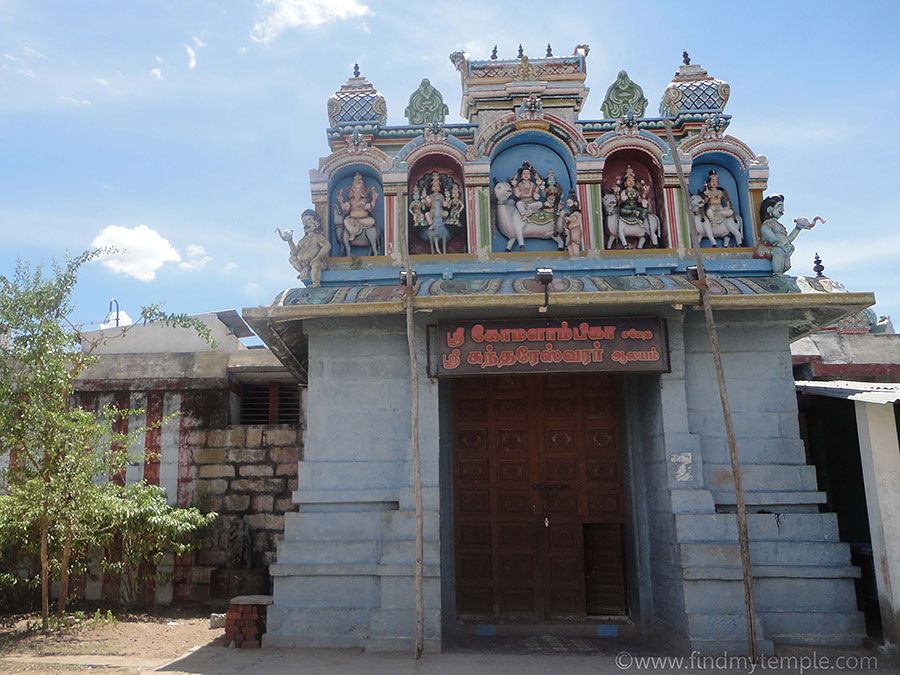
pixel 575 467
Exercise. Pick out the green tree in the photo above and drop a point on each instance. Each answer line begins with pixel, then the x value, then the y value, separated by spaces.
pixel 145 528
pixel 57 450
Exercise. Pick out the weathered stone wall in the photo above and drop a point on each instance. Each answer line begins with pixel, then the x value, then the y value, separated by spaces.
pixel 243 473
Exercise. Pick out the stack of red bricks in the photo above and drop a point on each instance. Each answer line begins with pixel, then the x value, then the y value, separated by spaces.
pixel 245 621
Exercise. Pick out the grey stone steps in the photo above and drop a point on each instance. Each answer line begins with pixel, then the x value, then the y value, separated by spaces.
pixel 766 553
pixel 722 527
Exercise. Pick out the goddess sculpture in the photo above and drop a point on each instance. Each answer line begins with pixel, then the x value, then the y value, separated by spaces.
pixel 632 201
pixel 627 210
pixel 776 243
pixel 308 255
pixel 717 203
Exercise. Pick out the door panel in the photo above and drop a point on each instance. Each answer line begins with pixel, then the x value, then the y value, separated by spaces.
pixel 537 469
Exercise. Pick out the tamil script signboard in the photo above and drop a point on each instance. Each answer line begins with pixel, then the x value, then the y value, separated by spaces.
pixel 635 344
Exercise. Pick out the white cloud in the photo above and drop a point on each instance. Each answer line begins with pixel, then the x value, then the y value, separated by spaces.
pixel 279 15
pixel 159 59
pixel 229 267
pixel 242 50
pixel 124 319
pixel 192 57
pixel 34 52
pixel 140 251
pixel 156 74
pixel 252 288
pixel 101 80
pixel 10 57
pixel 76 101
pixel 199 42
pixel 196 258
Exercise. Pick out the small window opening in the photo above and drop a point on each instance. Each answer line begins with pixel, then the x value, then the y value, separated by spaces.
pixel 270 404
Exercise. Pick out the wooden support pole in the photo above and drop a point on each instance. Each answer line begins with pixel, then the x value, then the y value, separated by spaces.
pixel 417 459
pixel 743 535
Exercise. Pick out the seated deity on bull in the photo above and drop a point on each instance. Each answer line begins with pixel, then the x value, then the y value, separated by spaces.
pixel 714 214
pixel 628 212
pixel 529 206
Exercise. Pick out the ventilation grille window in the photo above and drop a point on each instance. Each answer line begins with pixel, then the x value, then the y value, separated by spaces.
pixel 270 404
pixel 288 404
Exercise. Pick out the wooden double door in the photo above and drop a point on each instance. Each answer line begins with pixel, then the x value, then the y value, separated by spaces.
pixel 538 497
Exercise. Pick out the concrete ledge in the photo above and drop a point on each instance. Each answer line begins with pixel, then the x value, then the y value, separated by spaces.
pixel 313 570
pixel 776 571
pixel 389 498
pixel 773 498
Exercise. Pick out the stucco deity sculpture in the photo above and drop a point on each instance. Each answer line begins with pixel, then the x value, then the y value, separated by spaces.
pixel 526 191
pixel 632 200
pixel 571 219
pixel 528 207
pixel 239 545
pixel 455 206
pixel 776 243
pixel 308 254
pixel 714 213
pixel 416 210
pixel 435 212
pixel 552 193
pixel 628 211
pixel 354 215
pixel 436 209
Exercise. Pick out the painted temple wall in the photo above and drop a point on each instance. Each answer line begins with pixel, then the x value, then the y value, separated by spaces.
pixel 345 568
pixel 757 363
pixel 344 572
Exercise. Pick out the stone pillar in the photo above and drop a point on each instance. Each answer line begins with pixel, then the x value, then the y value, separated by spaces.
pixel 880 457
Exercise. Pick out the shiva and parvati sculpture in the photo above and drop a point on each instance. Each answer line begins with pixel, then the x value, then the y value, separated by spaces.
pixel 628 212
pixel 714 214
pixel 775 241
pixel 529 206
pixel 308 254
pixel 354 218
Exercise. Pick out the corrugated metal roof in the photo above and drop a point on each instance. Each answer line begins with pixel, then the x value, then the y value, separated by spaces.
pixel 870 392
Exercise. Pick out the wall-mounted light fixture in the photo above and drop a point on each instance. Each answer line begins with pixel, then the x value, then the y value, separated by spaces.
pixel 413 278
pixel 544 275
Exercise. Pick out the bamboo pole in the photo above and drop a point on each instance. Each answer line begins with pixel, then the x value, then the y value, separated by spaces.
pixel 743 535
pixel 417 459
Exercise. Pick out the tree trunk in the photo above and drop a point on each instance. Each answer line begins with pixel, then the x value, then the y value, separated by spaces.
pixel 64 571
pixel 45 575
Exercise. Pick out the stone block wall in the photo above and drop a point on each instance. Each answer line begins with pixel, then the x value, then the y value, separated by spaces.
pixel 245 473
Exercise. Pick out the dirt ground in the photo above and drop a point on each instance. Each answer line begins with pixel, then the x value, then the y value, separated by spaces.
pixel 134 642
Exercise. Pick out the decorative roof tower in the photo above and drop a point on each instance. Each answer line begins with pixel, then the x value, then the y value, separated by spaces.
pixel 497 85
pixel 357 103
pixel 693 90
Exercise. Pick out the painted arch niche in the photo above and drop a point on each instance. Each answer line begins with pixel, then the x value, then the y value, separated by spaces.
pixel 532 173
pixel 720 199
pixel 356 211
pixel 633 213
pixel 436 212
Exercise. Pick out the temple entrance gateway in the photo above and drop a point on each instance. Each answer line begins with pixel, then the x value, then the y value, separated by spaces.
pixel 538 497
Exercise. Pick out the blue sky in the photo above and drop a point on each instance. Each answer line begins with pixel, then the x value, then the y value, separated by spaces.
pixel 186 130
